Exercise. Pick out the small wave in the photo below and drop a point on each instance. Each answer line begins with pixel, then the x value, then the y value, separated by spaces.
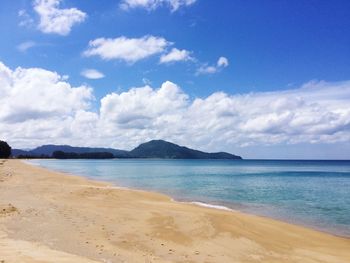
pixel 221 207
pixel 119 187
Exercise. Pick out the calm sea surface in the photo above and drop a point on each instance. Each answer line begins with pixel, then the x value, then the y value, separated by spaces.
pixel 310 193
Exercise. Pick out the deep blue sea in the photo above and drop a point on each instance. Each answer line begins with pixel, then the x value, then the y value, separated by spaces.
pixel 310 193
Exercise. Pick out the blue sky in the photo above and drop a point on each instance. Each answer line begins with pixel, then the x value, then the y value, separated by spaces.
pixel 277 47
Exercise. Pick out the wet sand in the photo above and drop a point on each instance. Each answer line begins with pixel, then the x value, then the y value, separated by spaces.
pixel 47 216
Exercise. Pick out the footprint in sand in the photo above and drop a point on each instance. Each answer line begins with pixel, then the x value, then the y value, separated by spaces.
pixel 4 176
pixel 7 210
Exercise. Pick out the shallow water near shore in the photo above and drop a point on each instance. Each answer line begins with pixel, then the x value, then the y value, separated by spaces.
pixel 310 193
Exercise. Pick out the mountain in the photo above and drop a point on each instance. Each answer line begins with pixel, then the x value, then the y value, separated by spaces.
pixel 16 152
pixel 152 149
pixel 48 150
pixel 168 150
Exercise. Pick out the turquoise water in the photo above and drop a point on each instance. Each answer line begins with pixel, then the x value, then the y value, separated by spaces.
pixel 310 193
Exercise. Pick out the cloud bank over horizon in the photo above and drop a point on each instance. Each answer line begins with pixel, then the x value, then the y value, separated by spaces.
pixel 40 106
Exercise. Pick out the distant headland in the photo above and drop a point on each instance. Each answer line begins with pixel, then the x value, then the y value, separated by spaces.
pixel 153 149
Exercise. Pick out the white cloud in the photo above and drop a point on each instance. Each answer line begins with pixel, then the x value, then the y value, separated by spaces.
pixel 127 49
pixel 317 112
pixel 174 5
pixel 176 55
pixel 206 69
pixel 39 106
pixel 50 92
pixel 222 62
pixel 26 20
pixel 143 107
pixel 92 74
pixel 146 81
pixel 54 20
pixel 23 47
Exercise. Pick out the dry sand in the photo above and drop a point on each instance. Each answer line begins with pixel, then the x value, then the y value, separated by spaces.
pixel 47 216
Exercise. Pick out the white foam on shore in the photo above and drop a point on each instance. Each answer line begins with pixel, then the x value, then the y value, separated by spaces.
pixel 106 187
pixel 220 207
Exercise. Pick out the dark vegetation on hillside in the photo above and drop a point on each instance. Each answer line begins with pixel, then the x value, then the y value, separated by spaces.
pixel 152 149
pixel 89 155
pixel 5 150
pixel 168 150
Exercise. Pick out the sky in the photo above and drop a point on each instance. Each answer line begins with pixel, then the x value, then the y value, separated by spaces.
pixel 261 79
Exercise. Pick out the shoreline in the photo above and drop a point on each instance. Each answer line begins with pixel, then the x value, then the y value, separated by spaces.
pixel 227 206
pixel 52 211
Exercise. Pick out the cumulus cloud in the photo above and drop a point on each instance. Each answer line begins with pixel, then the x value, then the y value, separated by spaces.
pixel 144 107
pixel 127 49
pixel 92 74
pixel 317 112
pixel 39 106
pixel 174 5
pixel 222 62
pixel 206 69
pixel 50 92
pixel 176 55
pixel 24 46
pixel 56 20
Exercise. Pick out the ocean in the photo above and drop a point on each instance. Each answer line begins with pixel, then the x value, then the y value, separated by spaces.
pixel 315 194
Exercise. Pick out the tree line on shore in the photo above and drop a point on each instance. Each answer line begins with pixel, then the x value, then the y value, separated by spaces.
pixel 89 155
pixel 5 152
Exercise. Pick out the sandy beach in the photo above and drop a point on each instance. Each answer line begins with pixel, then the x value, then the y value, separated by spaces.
pixel 47 216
